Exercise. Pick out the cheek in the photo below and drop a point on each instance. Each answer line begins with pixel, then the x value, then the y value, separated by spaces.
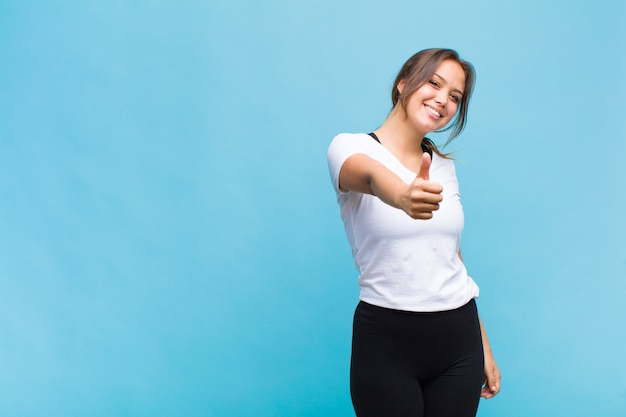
pixel 453 110
pixel 412 106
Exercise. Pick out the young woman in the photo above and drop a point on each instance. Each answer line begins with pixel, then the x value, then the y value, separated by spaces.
pixel 418 346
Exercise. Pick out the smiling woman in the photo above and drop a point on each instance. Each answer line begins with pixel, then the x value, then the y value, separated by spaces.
pixel 439 98
pixel 418 347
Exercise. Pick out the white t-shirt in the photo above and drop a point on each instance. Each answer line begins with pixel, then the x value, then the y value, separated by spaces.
pixel 404 264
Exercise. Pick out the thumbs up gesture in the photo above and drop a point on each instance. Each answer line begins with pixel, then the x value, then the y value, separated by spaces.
pixel 422 196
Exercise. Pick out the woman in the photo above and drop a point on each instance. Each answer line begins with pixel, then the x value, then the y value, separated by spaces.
pixel 418 347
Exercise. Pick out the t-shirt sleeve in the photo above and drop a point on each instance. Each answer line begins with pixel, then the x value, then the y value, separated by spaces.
pixel 341 148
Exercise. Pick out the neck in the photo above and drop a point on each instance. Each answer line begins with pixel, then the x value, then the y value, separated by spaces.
pixel 396 134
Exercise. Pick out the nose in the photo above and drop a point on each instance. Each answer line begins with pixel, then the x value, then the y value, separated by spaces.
pixel 442 99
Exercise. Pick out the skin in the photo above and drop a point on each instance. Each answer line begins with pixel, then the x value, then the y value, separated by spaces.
pixel 431 107
pixel 491 380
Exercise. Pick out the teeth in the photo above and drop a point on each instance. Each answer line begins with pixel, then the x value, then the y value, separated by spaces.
pixel 433 111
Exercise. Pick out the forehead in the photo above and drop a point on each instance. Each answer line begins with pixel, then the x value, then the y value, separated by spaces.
pixel 452 73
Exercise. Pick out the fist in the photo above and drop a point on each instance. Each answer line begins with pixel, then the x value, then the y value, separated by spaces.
pixel 422 196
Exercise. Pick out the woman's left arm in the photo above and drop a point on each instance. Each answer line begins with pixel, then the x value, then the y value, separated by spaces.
pixel 491 379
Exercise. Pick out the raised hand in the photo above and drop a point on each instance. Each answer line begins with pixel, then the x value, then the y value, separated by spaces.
pixel 422 196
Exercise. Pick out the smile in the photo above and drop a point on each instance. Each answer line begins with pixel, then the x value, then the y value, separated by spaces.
pixel 432 111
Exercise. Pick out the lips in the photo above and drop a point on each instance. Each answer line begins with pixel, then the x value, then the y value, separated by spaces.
pixel 432 111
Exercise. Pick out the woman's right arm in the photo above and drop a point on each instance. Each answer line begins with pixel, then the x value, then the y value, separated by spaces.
pixel 362 174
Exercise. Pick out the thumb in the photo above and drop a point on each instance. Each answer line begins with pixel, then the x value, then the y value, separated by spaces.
pixel 424 167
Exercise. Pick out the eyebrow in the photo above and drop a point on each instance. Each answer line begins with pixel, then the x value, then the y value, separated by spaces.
pixel 446 81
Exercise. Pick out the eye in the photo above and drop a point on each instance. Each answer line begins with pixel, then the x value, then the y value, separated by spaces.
pixel 434 83
pixel 455 98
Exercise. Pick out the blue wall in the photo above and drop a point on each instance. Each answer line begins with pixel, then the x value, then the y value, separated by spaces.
pixel 169 240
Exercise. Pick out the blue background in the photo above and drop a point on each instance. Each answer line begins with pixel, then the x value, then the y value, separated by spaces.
pixel 170 244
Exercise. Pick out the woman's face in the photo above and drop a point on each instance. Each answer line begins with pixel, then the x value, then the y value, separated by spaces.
pixel 435 102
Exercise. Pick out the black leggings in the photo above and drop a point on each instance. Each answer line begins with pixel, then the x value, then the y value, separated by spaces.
pixel 416 364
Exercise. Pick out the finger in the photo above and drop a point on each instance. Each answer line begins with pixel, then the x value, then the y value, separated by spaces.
pixel 426 192
pixel 424 167
pixel 493 382
pixel 486 392
pixel 423 211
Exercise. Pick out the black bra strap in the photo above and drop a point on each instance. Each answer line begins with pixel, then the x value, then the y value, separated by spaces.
pixel 374 136
pixel 424 147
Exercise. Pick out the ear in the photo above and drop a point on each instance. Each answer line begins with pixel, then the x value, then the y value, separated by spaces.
pixel 401 85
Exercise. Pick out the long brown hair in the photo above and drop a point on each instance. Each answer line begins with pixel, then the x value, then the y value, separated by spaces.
pixel 419 69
